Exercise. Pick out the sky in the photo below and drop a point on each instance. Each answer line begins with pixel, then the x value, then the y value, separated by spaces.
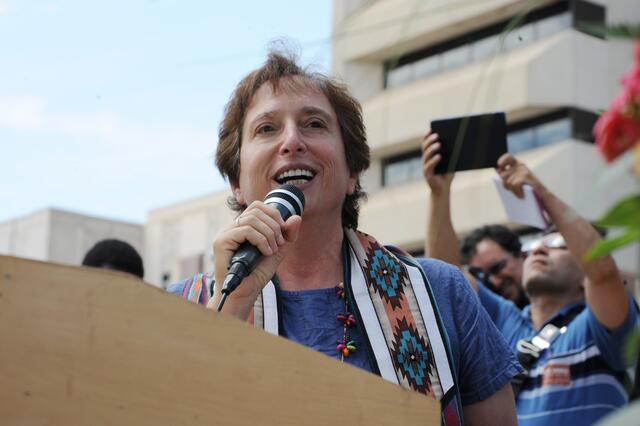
pixel 111 108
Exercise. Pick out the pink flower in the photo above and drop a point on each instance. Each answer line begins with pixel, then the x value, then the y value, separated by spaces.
pixel 631 84
pixel 615 133
pixel 618 103
pixel 618 129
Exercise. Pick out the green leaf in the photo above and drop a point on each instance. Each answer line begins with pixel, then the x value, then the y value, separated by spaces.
pixel 606 246
pixel 632 345
pixel 625 213
pixel 609 31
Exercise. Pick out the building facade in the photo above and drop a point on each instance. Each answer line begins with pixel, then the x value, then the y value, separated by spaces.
pixel 178 238
pixel 410 62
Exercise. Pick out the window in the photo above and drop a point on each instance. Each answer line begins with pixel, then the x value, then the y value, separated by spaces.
pixel 553 25
pixel 519 37
pixel 539 135
pixel 427 66
pixel 485 47
pixel 568 123
pixel 455 57
pixel 521 140
pixel 403 168
pixel 482 43
pixel 553 131
pixel 400 76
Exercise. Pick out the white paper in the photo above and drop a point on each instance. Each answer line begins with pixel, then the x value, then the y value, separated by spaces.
pixel 526 210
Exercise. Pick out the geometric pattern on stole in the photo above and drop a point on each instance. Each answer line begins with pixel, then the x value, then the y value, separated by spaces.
pixel 402 324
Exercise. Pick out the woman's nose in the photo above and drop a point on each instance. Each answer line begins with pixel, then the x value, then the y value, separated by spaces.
pixel 292 141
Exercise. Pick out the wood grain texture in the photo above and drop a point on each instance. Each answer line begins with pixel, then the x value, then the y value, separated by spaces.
pixel 91 347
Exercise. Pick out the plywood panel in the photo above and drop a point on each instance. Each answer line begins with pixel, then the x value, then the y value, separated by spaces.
pixel 93 347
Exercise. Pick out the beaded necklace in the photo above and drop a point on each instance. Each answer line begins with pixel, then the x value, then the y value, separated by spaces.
pixel 345 346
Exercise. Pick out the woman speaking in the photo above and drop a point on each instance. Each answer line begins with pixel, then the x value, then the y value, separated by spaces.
pixel 322 283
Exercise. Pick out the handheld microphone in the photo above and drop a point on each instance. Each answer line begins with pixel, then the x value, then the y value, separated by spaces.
pixel 289 201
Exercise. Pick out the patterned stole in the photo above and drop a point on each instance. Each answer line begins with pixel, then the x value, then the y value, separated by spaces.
pixel 198 288
pixel 392 298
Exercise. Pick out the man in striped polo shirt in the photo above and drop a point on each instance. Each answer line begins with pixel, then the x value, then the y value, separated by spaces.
pixel 579 375
pixel 573 332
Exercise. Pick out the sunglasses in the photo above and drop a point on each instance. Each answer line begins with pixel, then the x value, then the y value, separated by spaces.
pixel 551 241
pixel 497 267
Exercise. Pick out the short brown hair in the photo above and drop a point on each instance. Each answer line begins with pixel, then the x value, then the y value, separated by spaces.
pixel 348 111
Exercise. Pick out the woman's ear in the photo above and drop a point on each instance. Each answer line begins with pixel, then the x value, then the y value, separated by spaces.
pixel 351 183
pixel 237 193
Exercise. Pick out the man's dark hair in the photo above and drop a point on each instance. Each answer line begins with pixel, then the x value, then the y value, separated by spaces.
pixel 499 234
pixel 114 254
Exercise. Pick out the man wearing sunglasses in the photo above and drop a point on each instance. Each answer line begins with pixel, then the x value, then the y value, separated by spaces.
pixel 493 254
pixel 570 338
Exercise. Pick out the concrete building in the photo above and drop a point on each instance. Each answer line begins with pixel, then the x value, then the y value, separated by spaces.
pixel 178 238
pixel 64 237
pixel 410 62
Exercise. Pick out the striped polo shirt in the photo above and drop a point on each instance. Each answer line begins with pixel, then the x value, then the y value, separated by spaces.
pixel 580 378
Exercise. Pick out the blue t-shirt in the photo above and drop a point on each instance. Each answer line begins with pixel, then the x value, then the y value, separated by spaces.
pixel 580 378
pixel 480 355
pixel 309 318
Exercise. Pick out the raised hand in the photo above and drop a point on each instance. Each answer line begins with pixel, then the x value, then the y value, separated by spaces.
pixel 439 184
pixel 514 174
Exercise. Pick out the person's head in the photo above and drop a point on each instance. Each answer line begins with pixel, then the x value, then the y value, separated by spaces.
pixel 551 269
pixel 116 255
pixel 496 250
pixel 284 124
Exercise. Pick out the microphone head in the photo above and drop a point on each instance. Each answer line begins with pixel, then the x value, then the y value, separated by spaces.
pixel 288 199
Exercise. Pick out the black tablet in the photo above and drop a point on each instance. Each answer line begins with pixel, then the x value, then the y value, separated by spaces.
pixel 471 142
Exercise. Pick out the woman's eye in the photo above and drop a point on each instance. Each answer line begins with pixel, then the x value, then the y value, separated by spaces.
pixel 265 128
pixel 316 124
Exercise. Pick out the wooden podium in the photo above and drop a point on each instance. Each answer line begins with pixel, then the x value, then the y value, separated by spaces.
pixel 91 347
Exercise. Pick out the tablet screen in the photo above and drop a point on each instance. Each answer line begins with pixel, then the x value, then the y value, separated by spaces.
pixel 471 142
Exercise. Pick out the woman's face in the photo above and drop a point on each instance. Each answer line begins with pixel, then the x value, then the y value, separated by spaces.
pixel 292 136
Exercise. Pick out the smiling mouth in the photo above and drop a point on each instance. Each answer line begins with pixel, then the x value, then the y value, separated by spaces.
pixel 295 176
